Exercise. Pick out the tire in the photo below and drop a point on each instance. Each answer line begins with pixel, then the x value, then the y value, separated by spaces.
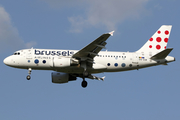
pixel 84 84
pixel 28 77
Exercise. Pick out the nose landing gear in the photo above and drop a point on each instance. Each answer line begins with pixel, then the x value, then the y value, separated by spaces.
pixel 29 72
pixel 28 77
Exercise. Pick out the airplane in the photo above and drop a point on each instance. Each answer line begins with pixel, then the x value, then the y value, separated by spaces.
pixel 70 64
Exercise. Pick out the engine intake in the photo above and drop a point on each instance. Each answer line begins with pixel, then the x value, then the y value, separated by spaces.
pixel 58 77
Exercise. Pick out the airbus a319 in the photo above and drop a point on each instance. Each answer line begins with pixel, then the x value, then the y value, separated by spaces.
pixel 70 64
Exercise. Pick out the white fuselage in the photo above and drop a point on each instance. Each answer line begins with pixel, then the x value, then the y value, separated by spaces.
pixel 59 60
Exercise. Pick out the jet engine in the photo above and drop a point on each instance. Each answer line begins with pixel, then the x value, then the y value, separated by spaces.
pixel 58 77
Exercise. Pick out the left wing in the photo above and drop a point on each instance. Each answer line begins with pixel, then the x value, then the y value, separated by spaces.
pixel 91 50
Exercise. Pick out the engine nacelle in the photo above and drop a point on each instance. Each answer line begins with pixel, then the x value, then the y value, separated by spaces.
pixel 58 77
pixel 65 62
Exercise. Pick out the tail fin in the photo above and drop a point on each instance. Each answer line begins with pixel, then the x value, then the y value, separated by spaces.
pixel 158 41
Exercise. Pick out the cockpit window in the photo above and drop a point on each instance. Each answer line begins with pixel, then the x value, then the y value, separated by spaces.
pixel 16 53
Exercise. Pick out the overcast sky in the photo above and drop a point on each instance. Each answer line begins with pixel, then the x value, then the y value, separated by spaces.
pixel 146 94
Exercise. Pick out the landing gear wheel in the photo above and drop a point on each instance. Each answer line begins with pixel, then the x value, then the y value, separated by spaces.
pixel 28 77
pixel 29 72
pixel 84 84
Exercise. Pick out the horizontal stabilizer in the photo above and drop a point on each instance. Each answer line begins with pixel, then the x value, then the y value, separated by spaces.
pixel 163 54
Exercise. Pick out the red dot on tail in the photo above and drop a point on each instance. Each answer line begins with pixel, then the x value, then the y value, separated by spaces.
pixel 150 46
pixel 165 47
pixel 158 47
pixel 166 40
pixel 167 32
pixel 158 39
pixel 151 39
pixel 159 32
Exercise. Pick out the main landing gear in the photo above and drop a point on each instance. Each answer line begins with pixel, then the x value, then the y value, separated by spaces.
pixel 29 72
pixel 84 82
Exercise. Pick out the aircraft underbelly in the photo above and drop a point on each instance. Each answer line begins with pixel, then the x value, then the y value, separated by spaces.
pixel 78 70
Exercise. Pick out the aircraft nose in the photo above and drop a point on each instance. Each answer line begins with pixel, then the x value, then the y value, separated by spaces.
pixel 7 61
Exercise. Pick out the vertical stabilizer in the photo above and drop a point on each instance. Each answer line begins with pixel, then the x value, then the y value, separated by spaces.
pixel 158 41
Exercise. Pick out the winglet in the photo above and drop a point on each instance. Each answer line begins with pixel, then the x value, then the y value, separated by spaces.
pixel 111 33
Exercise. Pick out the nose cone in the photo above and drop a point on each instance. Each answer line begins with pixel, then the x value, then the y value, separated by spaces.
pixel 7 61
